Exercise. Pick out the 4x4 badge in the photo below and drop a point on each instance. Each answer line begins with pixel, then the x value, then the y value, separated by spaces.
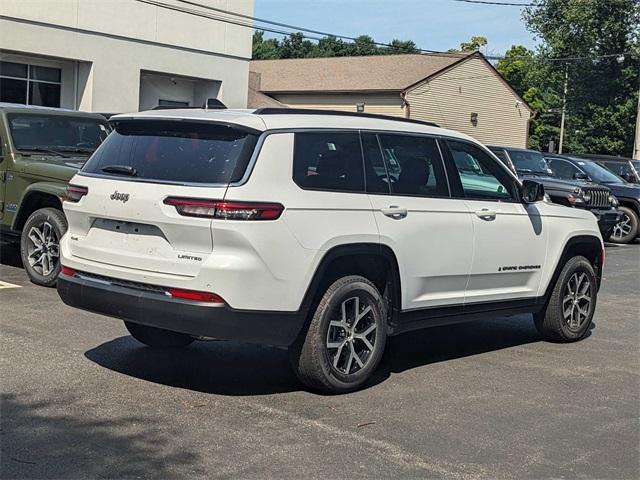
pixel 124 197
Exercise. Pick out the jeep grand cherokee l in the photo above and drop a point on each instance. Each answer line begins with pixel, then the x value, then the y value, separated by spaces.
pixel 323 232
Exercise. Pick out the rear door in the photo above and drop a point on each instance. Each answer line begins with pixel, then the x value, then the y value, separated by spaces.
pixel 430 233
pixel 124 219
pixel 510 238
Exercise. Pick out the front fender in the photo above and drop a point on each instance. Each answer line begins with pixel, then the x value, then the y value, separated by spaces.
pixel 53 189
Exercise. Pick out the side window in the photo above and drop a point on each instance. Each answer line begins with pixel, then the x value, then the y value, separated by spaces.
pixel 621 169
pixel 563 169
pixel 414 165
pixel 328 161
pixel 480 175
pixel 376 178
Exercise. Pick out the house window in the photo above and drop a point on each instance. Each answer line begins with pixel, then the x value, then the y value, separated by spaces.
pixel 30 84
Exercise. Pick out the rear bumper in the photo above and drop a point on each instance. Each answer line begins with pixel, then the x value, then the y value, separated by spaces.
pixel 194 318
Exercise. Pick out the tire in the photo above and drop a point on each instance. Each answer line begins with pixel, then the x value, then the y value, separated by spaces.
pixel 626 230
pixel 157 337
pixel 336 356
pixel 570 295
pixel 40 245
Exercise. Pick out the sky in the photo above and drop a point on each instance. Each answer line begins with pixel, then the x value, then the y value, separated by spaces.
pixel 431 24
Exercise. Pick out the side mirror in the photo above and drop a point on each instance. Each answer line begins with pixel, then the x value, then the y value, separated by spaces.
pixel 580 176
pixel 629 177
pixel 532 191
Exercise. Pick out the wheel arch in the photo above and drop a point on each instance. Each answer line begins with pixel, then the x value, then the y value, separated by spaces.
pixel 374 261
pixel 37 196
pixel 590 247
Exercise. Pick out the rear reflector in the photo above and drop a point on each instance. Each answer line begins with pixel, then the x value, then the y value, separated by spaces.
pixel 70 272
pixel 74 193
pixel 194 295
pixel 225 210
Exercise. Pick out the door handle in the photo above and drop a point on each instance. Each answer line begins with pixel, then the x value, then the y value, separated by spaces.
pixel 486 214
pixel 394 212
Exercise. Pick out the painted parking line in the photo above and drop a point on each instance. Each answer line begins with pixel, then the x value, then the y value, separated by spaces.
pixel 8 285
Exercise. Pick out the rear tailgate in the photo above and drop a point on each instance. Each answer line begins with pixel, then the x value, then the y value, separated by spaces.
pixel 122 219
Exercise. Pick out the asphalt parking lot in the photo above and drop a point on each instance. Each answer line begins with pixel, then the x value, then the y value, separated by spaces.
pixel 82 399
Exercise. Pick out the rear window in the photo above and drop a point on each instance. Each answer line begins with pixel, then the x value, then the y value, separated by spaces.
pixel 176 152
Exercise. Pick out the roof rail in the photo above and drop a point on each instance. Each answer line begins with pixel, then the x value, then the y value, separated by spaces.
pixel 311 111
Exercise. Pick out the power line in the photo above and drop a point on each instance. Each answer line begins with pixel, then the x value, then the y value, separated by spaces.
pixel 226 19
pixel 502 4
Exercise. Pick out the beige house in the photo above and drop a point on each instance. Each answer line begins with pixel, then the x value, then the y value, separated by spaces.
pixel 460 91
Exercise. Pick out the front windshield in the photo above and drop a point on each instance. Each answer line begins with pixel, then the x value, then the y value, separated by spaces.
pixel 529 162
pixel 60 133
pixel 599 174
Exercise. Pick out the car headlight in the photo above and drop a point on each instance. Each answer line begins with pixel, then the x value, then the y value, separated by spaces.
pixel 613 200
pixel 577 198
pixel 586 196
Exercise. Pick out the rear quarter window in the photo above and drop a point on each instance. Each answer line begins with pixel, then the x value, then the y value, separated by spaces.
pixel 176 152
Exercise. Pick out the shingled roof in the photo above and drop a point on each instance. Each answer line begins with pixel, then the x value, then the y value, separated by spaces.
pixel 349 74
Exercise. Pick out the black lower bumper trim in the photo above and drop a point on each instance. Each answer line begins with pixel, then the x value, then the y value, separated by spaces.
pixel 157 310
pixel 607 218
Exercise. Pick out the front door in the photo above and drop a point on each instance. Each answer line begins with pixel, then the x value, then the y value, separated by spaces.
pixel 430 233
pixel 510 238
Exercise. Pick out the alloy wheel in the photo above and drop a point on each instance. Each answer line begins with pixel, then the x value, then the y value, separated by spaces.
pixel 622 228
pixel 43 249
pixel 577 300
pixel 351 339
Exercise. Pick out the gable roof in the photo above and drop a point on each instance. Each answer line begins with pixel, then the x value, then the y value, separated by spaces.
pixel 349 74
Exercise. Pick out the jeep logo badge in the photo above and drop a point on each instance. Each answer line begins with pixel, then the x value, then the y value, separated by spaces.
pixel 124 197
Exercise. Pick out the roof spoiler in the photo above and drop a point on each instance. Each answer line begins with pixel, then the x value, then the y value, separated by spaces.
pixel 209 104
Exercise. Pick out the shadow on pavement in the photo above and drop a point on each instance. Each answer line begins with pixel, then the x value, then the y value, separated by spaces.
pixel 60 439
pixel 231 368
pixel 10 254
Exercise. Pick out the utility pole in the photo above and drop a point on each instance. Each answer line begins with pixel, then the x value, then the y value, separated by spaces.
pixel 636 143
pixel 564 107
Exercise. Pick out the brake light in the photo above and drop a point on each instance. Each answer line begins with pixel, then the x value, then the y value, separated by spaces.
pixel 194 295
pixel 74 193
pixel 70 272
pixel 225 210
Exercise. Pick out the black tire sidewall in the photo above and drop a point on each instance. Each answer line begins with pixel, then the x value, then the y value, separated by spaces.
pixel 59 223
pixel 360 287
pixel 635 224
pixel 575 265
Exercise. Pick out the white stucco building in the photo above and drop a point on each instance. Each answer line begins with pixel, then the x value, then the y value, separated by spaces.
pixel 121 55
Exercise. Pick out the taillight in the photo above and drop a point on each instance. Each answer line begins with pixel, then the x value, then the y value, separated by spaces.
pixel 70 272
pixel 194 295
pixel 225 210
pixel 74 193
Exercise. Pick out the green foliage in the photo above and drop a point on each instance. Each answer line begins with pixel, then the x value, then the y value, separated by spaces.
pixel 295 46
pixel 474 45
pixel 602 93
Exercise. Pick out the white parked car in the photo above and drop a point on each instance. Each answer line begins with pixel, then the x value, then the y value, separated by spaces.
pixel 324 232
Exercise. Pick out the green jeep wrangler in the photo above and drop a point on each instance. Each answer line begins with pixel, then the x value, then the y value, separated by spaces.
pixel 40 150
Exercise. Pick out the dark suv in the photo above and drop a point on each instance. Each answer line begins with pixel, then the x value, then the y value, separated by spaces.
pixel 577 192
pixel 627 168
pixel 628 194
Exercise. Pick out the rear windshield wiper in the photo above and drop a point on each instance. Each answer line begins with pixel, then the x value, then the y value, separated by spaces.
pixel 45 150
pixel 120 170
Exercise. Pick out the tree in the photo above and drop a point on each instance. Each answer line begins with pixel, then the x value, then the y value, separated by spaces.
pixel 603 87
pixel 265 49
pixel 475 44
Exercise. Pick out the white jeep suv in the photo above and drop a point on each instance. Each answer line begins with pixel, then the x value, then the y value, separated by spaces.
pixel 324 232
